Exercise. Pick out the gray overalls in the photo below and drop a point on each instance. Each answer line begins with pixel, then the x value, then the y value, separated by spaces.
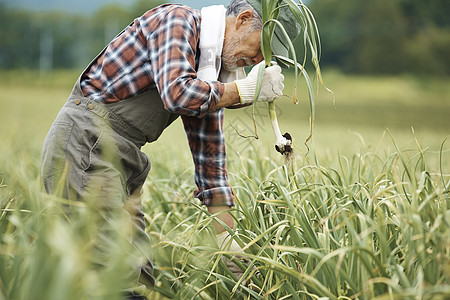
pixel 92 153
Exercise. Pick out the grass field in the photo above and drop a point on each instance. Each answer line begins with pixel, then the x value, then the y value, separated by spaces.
pixel 363 214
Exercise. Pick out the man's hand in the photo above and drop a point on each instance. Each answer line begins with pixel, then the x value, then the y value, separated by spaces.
pixel 226 243
pixel 272 84
pixel 224 239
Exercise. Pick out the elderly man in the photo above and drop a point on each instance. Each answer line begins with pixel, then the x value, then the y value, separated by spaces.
pixel 150 74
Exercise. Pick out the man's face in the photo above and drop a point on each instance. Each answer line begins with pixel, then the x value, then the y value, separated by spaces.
pixel 241 49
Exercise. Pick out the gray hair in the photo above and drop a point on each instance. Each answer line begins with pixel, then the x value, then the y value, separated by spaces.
pixel 238 6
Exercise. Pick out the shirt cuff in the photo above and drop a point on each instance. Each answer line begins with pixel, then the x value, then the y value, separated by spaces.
pixel 218 196
pixel 219 89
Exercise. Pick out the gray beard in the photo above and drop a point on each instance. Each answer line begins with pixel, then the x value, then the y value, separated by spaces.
pixel 229 63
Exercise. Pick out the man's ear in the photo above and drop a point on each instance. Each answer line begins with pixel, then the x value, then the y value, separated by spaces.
pixel 244 17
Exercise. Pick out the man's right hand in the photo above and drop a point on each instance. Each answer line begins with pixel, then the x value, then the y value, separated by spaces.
pixel 272 84
pixel 227 243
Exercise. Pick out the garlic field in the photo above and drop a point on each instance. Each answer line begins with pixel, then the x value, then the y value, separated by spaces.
pixel 362 212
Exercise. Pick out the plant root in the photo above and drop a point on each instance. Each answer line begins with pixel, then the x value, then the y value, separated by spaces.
pixel 286 149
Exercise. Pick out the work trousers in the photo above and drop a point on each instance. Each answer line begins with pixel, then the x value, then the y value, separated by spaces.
pixel 92 154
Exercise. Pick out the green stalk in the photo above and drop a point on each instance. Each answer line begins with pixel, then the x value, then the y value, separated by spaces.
pixel 304 17
pixel 283 143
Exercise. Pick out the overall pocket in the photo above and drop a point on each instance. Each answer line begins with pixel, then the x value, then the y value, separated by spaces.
pixel 99 148
pixel 91 149
pixel 55 153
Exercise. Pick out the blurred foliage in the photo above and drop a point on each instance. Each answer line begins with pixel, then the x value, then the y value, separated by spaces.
pixel 384 36
pixel 372 36
pixel 70 40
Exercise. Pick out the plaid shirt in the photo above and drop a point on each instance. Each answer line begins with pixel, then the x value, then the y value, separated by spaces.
pixel 159 50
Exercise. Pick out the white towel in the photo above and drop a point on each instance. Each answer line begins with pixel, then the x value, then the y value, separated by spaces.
pixel 212 33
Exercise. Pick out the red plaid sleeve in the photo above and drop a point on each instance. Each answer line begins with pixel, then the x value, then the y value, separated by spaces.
pixel 172 50
pixel 207 143
pixel 159 49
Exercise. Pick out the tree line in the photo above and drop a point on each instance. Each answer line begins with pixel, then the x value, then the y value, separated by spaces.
pixel 385 36
pixel 51 40
pixel 370 36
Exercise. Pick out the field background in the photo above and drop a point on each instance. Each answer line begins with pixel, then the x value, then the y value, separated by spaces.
pixel 361 213
pixel 371 114
pixel 367 111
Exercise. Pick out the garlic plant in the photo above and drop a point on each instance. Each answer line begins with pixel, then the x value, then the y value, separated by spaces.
pixel 283 143
pixel 311 41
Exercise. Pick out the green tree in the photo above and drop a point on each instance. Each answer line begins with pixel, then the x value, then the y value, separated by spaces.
pixel 384 36
pixel 426 49
pixel 382 39
pixel 105 24
pixel 19 36
pixel 70 40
